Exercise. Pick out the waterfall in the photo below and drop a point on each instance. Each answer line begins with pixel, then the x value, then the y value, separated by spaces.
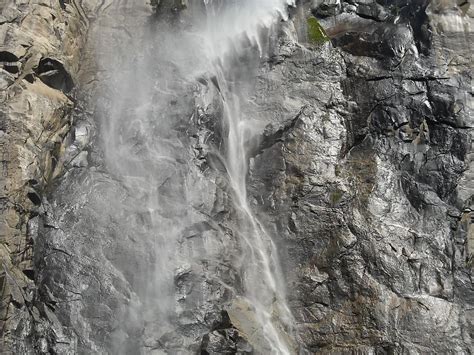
pixel 229 25
pixel 226 42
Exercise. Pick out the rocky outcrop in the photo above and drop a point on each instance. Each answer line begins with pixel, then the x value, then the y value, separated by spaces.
pixel 361 175
pixel 39 60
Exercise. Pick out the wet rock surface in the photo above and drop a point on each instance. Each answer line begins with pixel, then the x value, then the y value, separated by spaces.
pixel 362 176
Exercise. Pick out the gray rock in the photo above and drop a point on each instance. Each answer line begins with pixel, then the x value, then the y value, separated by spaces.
pixel 361 174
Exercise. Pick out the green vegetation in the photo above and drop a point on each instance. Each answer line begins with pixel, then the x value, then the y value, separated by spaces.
pixel 336 197
pixel 316 33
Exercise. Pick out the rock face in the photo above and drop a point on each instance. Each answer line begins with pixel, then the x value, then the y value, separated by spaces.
pixel 361 175
pixel 368 190
pixel 40 43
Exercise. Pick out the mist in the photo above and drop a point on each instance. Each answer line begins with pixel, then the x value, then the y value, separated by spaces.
pixel 176 72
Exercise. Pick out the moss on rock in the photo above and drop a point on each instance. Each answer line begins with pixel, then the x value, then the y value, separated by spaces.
pixel 336 197
pixel 316 33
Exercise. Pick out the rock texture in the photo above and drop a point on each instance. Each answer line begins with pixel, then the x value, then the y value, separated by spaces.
pixel 368 189
pixel 362 176
pixel 40 43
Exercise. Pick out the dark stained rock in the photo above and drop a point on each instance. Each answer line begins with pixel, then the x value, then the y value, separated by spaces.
pixel 361 174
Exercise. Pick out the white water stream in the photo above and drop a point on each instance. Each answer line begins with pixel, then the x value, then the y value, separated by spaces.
pixel 230 25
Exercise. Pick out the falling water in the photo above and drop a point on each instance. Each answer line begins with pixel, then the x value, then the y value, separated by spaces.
pixel 225 41
pixel 229 24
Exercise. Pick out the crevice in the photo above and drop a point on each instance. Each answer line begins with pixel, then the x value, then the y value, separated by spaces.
pixel 9 62
pixel 379 78
pixel 425 78
pixel 34 197
pixel 52 73
pixel 29 274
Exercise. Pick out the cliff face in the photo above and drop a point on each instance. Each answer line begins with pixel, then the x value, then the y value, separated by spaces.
pixel 39 58
pixel 370 187
pixel 361 175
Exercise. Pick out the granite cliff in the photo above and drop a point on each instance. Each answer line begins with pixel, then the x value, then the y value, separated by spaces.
pixel 120 232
